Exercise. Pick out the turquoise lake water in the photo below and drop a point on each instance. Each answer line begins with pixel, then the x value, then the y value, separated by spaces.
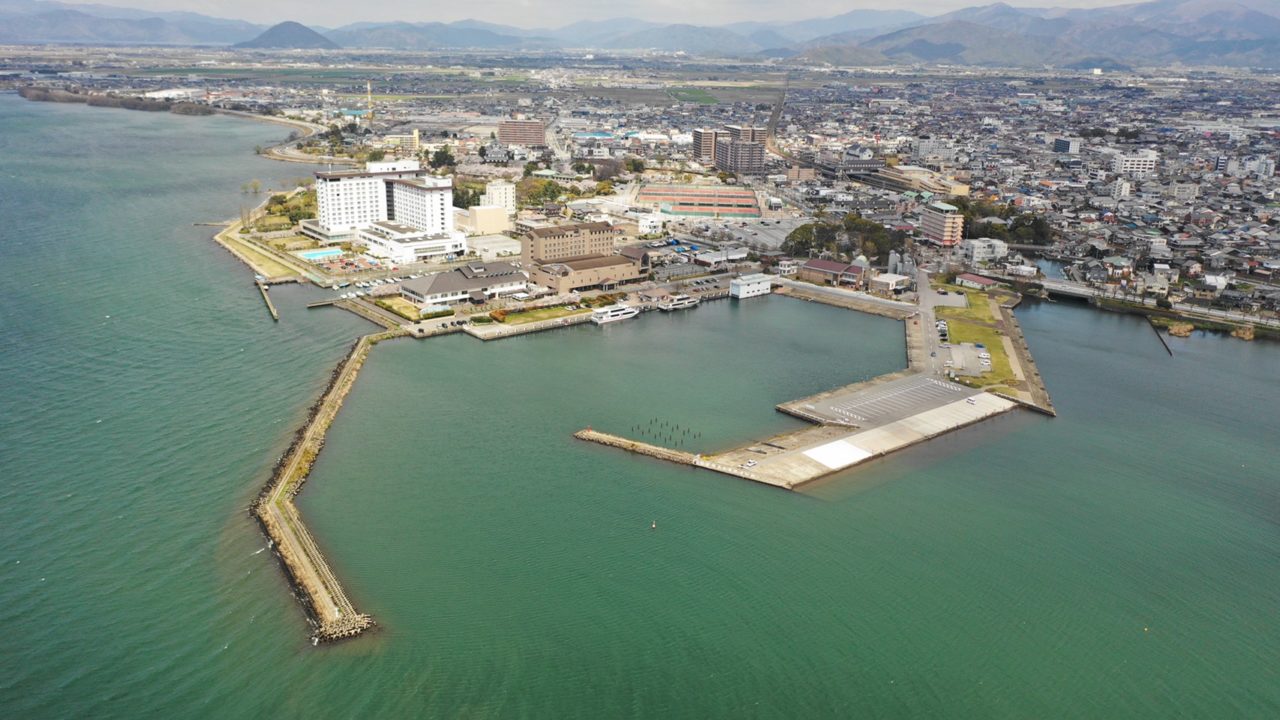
pixel 1120 560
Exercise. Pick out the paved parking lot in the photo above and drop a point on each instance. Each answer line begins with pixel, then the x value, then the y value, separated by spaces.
pixel 965 359
pixel 891 401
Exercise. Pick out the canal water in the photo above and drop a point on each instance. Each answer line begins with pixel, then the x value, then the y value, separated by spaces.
pixel 1118 561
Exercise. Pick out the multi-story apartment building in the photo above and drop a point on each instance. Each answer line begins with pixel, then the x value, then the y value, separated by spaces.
pixel 529 133
pixel 1141 163
pixel 739 156
pixel 746 133
pixel 942 224
pixel 704 143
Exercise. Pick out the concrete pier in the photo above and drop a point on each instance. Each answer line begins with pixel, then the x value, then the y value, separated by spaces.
pixel 498 331
pixel 676 456
pixel 266 298
pixel 856 424
pixel 331 610
pixel 865 420
pixel 371 313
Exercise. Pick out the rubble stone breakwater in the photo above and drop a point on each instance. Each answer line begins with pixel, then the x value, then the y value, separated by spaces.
pixel 331 611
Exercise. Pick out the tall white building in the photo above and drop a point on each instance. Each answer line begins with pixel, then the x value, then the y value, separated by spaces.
pixel 425 203
pixel 401 192
pixel 500 193
pixel 1141 163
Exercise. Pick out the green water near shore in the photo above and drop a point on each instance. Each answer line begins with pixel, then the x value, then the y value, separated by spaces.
pixel 1118 561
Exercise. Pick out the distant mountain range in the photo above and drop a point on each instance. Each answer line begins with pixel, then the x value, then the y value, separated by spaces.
pixel 1158 32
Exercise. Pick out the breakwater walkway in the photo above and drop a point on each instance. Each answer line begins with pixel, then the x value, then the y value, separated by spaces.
pixel 675 456
pixel 331 610
pixel 896 413
pixel 271 307
pixel 497 331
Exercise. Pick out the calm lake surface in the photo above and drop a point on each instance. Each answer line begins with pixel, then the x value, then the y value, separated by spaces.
pixel 1120 560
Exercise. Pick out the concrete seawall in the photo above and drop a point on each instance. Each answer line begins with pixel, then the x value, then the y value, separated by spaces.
pixel 848 301
pixel 1040 400
pixel 330 609
pixel 498 331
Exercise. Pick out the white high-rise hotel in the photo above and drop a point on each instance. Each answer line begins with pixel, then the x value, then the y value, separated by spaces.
pixel 398 192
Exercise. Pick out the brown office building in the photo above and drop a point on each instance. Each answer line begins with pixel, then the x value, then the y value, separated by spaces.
pixel 529 133
pixel 576 257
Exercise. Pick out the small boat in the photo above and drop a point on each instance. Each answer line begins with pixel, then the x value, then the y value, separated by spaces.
pixel 613 313
pixel 677 302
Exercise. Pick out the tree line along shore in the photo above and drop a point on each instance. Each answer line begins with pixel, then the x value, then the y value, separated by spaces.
pixel 116 101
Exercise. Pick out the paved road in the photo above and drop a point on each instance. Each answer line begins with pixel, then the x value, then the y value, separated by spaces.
pixel 934 358
pixel 554 142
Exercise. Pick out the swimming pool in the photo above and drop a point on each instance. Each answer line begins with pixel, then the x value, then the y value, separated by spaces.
pixel 318 255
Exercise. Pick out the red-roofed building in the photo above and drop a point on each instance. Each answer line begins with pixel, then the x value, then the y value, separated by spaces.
pixel 975 282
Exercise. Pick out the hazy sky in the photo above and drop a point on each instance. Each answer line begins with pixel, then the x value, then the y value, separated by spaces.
pixel 554 13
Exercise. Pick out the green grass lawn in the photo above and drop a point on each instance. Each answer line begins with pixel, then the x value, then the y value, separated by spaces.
pixel 271 223
pixel 400 306
pixel 692 94
pixel 293 242
pixel 975 324
pixel 550 313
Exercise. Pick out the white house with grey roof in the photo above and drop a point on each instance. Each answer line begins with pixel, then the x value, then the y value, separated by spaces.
pixel 475 281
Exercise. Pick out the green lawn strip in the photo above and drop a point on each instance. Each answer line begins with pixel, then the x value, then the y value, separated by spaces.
pixel 978 310
pixel 693 94
pixel 539 314
pixel 399 306
pixel 264 264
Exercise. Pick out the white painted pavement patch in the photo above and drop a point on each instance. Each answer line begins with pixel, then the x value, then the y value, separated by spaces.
pixel 838 454
pixel 843 453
